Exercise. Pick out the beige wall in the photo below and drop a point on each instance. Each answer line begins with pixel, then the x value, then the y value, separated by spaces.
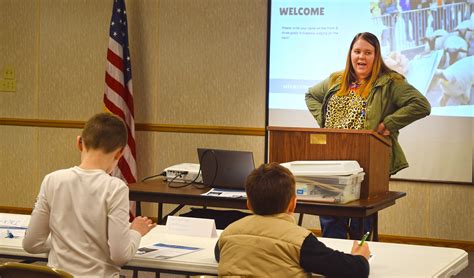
pixel 195 62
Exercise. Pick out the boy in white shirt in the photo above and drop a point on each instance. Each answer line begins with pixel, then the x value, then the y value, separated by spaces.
pixel 81 213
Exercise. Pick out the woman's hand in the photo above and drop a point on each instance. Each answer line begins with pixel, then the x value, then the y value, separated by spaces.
pixel 382 130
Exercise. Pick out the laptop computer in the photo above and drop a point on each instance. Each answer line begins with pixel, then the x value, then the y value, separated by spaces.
pixel 225 168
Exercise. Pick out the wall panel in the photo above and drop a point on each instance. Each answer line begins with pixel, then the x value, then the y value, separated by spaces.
pixel 174 148
pixel 451 212
pixel 18 166
pixel 73 47
pixel 410 215
pixel 57 149
pixel 143 30
pixel 19 51
pixel 212 62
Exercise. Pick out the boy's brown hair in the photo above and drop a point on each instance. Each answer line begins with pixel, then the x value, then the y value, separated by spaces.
pixel 105 132
pixel 270 189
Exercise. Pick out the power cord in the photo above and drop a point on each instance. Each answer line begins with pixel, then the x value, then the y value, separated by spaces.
pixel 170 182
pixel 179 175
pixel 162 174
pixel 216 169
pixel 193 182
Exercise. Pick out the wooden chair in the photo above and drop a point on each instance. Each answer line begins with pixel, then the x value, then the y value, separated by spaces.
pixel 13 269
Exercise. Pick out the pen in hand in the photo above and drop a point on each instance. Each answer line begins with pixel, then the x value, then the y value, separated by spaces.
pixel 366 235
pixel 361 248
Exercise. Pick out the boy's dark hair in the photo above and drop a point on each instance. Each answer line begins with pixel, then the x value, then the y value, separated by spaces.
pixel 105 132
pixel 270 188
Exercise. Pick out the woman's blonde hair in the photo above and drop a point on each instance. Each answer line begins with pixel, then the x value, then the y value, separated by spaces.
pixel 379 68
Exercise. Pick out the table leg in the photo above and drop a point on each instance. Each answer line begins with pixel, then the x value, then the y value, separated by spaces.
pixel 175 210
pixel 161 219
pixel 300 219
pixel 160 213
pixel 375 227
pixel 138 208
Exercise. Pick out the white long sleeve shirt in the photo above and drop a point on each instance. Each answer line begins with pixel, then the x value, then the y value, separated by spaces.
pixel 81 219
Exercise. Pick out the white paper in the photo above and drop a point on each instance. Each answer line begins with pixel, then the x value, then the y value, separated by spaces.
pixel 14 220
pixel 190 226
pixel 165 251
pixel 12 233
pixel 225 193
pixel 13 225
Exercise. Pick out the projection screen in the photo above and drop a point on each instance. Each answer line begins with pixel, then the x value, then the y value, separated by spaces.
pixel 430 45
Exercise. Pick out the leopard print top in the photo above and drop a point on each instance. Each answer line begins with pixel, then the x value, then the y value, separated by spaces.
pixel 347 111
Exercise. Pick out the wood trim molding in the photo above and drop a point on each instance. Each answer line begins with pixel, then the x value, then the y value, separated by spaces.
pixel 461 244
pixel 15 210
pixel 433 181
pixel 41 123
pixel 228 130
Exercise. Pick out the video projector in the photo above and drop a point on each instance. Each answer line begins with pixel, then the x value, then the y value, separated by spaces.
pixel 184 172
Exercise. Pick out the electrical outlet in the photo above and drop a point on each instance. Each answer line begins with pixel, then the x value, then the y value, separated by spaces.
pixel 9 73
pixel 8 85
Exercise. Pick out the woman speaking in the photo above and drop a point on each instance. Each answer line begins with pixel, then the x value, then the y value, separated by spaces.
pixel 366 95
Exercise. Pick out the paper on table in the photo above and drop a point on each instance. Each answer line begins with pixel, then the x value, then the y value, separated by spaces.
pixel 12 233
pixel 226 193
pixel 165 251
pixel 13 225
pixel 14 220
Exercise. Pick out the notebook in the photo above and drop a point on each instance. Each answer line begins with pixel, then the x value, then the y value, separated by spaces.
pixel 225 168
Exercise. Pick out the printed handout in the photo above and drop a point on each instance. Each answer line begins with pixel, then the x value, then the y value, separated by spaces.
pixel 165 251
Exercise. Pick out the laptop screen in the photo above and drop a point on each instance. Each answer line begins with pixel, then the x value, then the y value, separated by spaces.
pixel 225 168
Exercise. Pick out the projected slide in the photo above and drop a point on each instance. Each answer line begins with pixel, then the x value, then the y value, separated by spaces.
pixel 431 45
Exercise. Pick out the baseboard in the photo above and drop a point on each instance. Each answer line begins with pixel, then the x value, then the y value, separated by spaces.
pixel 461 244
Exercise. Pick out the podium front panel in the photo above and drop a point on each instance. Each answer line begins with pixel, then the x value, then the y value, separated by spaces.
pixel 322 144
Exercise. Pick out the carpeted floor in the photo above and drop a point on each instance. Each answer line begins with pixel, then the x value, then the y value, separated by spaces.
pixel 468 272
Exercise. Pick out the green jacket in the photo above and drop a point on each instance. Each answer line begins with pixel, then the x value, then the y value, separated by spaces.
pixel 392 101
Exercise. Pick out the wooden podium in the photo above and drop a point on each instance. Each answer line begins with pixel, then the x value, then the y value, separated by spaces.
pixel 367 147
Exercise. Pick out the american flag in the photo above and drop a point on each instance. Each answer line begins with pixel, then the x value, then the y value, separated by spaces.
pixel 118 96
